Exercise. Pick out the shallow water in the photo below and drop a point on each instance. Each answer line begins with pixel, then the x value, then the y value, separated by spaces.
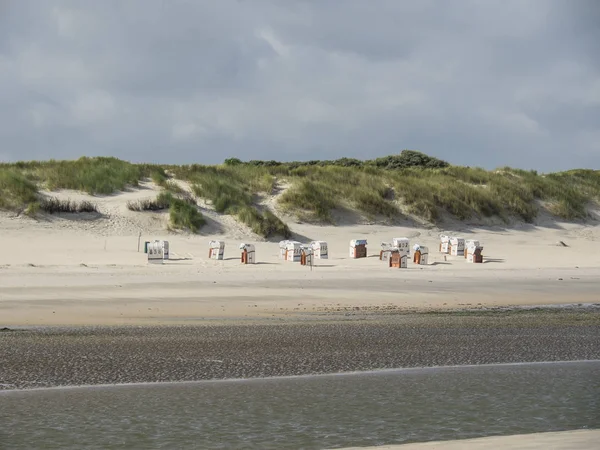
pixel 329 411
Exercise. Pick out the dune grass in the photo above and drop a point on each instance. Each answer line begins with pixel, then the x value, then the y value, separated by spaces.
pixel 91 175
pixel 462 192
pixel 183 210
pixel 162 201
pixel 233 190
pixel 317 191
pixel 16 191
pixel 159 203
pixel 265 223
pixel 184 216
pixel 96 176
pixel 410 182
pixel 53 205
pixel 312 198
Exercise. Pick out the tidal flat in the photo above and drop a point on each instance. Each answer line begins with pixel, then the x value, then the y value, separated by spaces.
pixel 39 357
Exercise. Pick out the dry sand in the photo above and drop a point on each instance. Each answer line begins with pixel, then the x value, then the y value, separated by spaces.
pixel 565 440
pixel 88 270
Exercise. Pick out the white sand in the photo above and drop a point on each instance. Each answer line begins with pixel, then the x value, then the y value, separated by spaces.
pixel 59 270
pixel 565 440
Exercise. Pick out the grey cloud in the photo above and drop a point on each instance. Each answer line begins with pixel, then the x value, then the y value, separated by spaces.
pixel 481 83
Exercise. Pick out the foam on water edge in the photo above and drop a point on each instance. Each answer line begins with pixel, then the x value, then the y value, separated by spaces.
pixel 292 377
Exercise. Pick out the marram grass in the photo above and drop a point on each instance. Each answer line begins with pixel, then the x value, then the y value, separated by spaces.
pixel 386 187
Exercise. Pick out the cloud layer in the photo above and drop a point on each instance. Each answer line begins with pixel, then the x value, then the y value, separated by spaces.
pixel 506 82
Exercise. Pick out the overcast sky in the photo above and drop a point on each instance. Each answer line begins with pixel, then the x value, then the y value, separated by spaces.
pixel 476 82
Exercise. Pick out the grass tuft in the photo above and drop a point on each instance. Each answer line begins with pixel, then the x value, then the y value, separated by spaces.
pixel 265 224
pixel 149 204
pixel 183 210
pixel 184 216
pixel 53 205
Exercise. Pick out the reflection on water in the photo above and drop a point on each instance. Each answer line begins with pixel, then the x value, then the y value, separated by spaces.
pixel 309 412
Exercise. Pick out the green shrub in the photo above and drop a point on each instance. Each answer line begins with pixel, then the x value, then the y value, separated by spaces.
pixel 409 158
pixel 232 162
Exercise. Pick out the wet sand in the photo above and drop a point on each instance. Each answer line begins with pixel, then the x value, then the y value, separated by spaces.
pixel 45 357
pixel 176 294
pixel 564 440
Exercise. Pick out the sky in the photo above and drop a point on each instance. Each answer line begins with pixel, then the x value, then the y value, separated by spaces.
pixel 483 83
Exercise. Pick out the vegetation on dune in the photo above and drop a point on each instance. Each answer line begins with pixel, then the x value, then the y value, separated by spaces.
pixel 410 182
pixel 158 176
pixel 407 158
pixel 159 203
pixel 231 189
pixel 162 201
pixel 53 205
pixel 91 175
pixel 16 191
pixel 183 210
pixel 427 188
pixel 316 192
pixel 309 196
pixel 265 223
pixel 184 216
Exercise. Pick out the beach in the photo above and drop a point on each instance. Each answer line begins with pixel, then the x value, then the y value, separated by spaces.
pixel 81 306
pixel 66 286
pixel 62 271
